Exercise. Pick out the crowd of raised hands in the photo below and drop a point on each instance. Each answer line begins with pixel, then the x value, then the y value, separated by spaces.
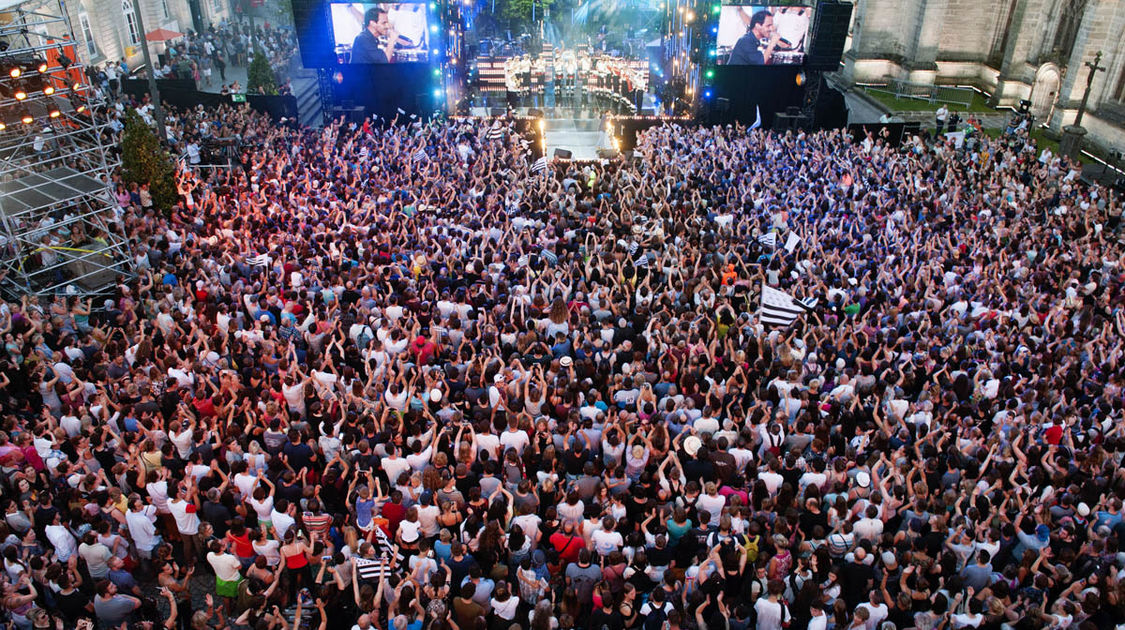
pixel 389 377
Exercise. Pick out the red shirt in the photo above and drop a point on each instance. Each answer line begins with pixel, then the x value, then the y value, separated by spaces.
pixel 394 513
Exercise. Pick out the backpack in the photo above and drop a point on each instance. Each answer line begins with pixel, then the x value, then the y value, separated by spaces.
pixel 750 545
pixel 655 619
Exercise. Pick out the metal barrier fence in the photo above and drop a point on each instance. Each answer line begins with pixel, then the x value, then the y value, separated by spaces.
pixel 926 92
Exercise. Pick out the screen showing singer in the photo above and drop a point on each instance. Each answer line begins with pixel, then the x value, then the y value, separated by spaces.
pixel 380 33
pixel 761 36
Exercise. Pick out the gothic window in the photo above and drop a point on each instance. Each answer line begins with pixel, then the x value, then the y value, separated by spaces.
pixel 1070 19
pixel 131 22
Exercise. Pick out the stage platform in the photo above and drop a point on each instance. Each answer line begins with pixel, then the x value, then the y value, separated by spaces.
pixel 579 136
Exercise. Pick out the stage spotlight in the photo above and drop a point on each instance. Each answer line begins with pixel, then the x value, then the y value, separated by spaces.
pixel 707 94
pixel 15 72
pixel 4 46
pixel 54 112
pixel 26 117
pixel 41 66
pixel 690 16
pixel 49 90
pixel 338 77
pixel 21 93
pixel 433 28
pixel 64 61
pixel 437 93
pixel 437 72
pixel 3 126
pixel 709 74
pixel 800 79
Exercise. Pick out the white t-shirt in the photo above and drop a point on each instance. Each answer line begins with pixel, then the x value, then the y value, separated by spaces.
pixel 606 542
pixel 281 522
pixel 142 526
pixel 245 484
pixel 182 442
pixel 394 467
pixel 270 549
pixel 187 521
pixel 226 565
pixel 515 439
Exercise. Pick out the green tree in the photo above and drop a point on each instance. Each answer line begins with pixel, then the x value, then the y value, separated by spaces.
pixel 144 161
pixel 259 77
pixel 520 10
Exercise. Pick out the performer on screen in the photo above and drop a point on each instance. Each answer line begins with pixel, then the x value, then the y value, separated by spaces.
pixel 756 47
pixel 366 47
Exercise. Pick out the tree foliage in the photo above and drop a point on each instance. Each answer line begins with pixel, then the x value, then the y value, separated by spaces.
pixel 144 161
pixel 520 10
pixel 260 78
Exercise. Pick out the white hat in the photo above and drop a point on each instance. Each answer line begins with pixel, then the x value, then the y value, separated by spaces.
pixel 863 479
pixel 499 378
pixel 566 361
pixel 1083 510
pixel 692 444
pixel 435 395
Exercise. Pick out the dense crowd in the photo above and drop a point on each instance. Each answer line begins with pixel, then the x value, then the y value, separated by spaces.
pixel 392 378
pixel 205 57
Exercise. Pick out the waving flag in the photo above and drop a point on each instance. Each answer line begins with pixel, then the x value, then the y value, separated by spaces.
pixel 540 165
pixel 781 309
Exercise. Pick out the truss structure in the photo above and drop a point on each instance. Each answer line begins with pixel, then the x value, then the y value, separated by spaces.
pixel 59 228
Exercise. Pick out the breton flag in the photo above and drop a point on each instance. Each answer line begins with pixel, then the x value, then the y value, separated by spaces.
pixel 757 118
pixel 496 133
pixel 420 155
pixel 781 309
pixel 540 165
pixel 370 569
pixel 769 239
pixel 259 261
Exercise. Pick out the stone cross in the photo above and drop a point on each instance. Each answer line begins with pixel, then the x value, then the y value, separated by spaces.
pixel 1094 66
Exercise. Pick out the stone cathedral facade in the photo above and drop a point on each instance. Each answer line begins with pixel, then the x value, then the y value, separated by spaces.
pixel 1012 49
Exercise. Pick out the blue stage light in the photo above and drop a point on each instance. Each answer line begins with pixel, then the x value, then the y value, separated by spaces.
pixel 707 94
pixel 434 28
pixel 436 52
pixel 437 93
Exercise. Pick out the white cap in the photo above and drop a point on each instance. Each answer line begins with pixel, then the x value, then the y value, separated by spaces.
pixel 435 395
pixel 692 444
pixel 1083 510
pixel 863 479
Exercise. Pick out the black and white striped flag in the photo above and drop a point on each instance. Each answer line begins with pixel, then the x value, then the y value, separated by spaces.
pixel 540 165
pixel 769 239
pixel 369 569
pixel 496 133
pixel 781 309
pixel 420 155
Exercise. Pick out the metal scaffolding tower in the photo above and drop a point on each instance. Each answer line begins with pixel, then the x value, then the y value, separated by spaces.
pixel 59 225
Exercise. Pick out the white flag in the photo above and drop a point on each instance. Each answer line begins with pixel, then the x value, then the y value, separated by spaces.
pixel 540 165
pixel 792 242
pixel 769 239
pixel 757 118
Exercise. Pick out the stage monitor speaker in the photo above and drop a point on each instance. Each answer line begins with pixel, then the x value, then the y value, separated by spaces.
pixel 648 111
pixel 830 31
pixel 785 122
pixel 562 154
pixel 497 111
pixel 535 113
